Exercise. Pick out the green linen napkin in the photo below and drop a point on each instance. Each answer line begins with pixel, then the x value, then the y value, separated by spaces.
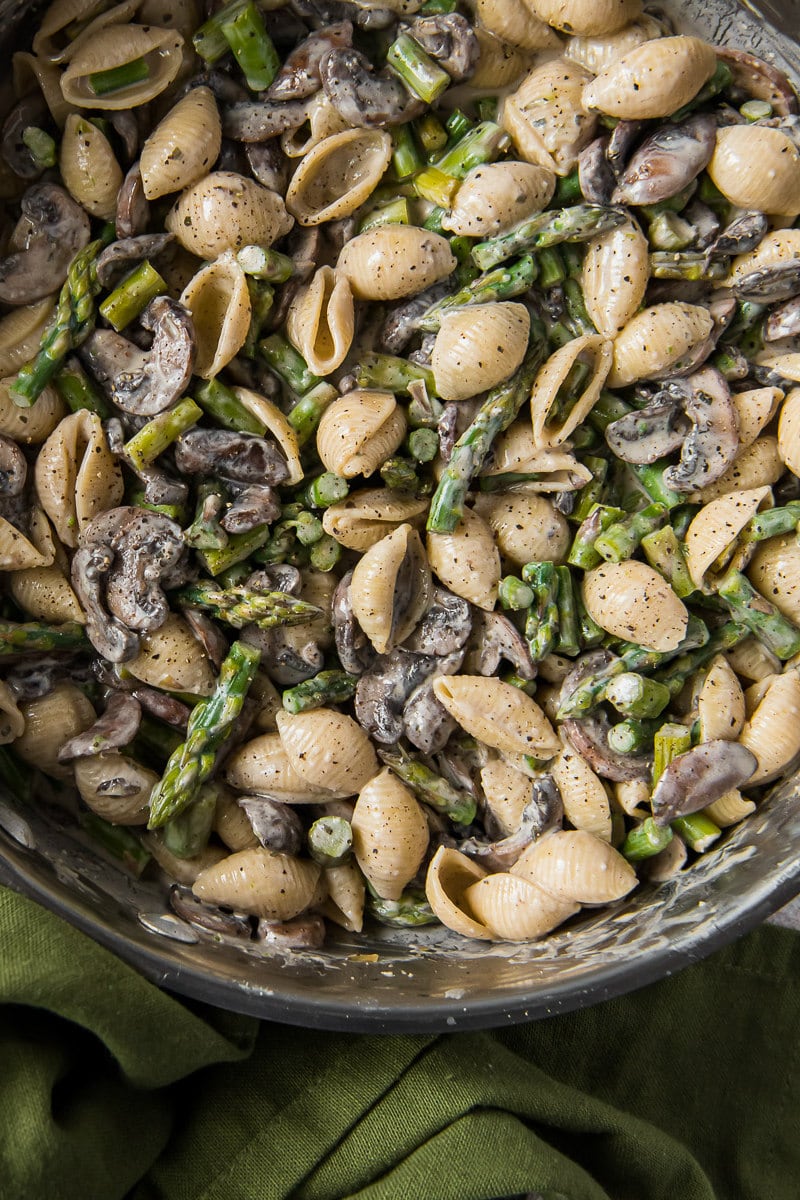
pixel 113 1090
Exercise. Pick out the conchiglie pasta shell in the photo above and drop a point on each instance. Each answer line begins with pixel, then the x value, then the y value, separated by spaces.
pixel 20 334
pixel 113 47
pixel 497 714
pixel 344 904
pixel 782 357
pixel 653 80
pixel 182 870
pixel 586 803
pixel 513 21
pixel 20 553
pixel 89 19
pixel 226 211
pixel 507 793
pixel 276 424
pixel 632 796
pixel 449 875
pixel 183 146
pixel 752 660
pixel 495 196
pixel 596 53
pixel 231 823
pixel 755 408
pixel 573 864
pixel 50 721
pixel 591 349
pixel 363 518
pixel 12 722
pixel 394 565
pixel 757 168
pixel 632 601
pixel 758 465
pixel 219 301
pixel 338 175
pixel 359 431
pixel 789 431
pixel 773 731
pixel 467 560
pixel 500 63
pixel 615 274
pixel 478 347
pixel 546 117
pixel 94 778
pixel 321 320
pixel 76 474
pixel 182 15
pixel 779 246
pixel 328 749
pixel 720 705
pixel 730 809
pixel 171 658
pixel 29 72
pixel 33 425
pixel 526 527
pixel 580 17
pixel 89 167
pixel 555 470
pixel 262 766
pixel 322 121
pixel 392 261
pixel 654 342
pixel 276 887
pixel 775 572
pixel 515 909
pixel 45 594
pixel 390 834
pixel 716 527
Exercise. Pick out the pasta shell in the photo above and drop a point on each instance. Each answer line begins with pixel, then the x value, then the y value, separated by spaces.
pixel 582 17
pixel 364 517
pixel 59 46
pixel 449 875
pixel 219 301
pixel 730 809
pixel 226 211
pixel 632 601
pixel 779 246
pixel 757 168
pixel 182 870
pixel 499 62
pixel 18 552
pixel 89 167
pixel 720 705
pixel 45 594
pixel 755 408
pixel 392 261
pixel 328 749
pixel 338 175
pixel 30 72
pixel 657 340
pixel 597 53
pixel 273 886
pixel 717 526
pixel 479 347
pixel 775 572
pixel 390 834
pixel 497 714
pixel 171 658
pixel 183 146
pixel 546 117
pixel 467 560
pixel 231 823
pixel 115 787
pixel 276 424
pixel 632 796
pixel 616 270
pixel 321 320
pixel 548 470
pixel 345 900
pixel 76 474
pixel 12 722
pixel 513 21
pixel 752 660
pixel 773 731
pixel 20 334
pixel 50 721
pixel 526 527
pixel 507 793
pixel 759 465
pixel 358 431
pixel 573 864
pixel 495 196
pixel 33 425
pixel 789 431
pixel 591 350
pixel 586 804
pixel 515 909
pixel 262 766
pixel 391 588
pixel 653 80
pixel 183 15
pixel 322 120
pixel 115 46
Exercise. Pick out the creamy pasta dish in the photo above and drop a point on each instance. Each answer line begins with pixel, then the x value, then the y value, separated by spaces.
pixel 400 446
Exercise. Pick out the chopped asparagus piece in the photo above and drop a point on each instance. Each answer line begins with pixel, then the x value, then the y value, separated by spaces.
pixel 328 687
pixel 239 605
pixel 430 787
pixel 330 841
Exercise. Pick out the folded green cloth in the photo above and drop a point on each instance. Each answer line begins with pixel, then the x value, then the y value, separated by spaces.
pixel 111 1089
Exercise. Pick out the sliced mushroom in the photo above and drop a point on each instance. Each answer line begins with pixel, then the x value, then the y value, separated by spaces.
pixel 769 285
pixel 403 318
pixel 354 648
pixel 306 932
pixel 269 166
pixel 117 727
pixel 498 638
pixel 208 634
pixel 444 628
pixel 651 433
pixel 256 505
pixel 125 253
pixel 166 708
pixel 280 577
pixel 784 321
pixel 363 98
pixel 382 691
pixel 30 110
pixel 699 777
pixel 597 179
pixel 51 231
pixel 589 736
pixel 13 468
pixel 110 638
pixel 713 442
pixel 667 161
pixel 145 382
pixel 238 457
pixel 299 75
pixel 322 13
pixel 426 722
pixel 543 812
pixel 624 137
pixel 286 657
pixel 705 223
pixel 211 918
pixel 752 77
pixel 450 40
pixel 258 120
pixel 126 127
pixel 743 234
pixel 133 209
pixel 277 826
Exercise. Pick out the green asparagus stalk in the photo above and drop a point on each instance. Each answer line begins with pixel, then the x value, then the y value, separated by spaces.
pixel 577 312
pixel 575 224
pixel 457 126
pixel 651 477
pixel 77 390
pixel 607 408
pixel 325 553
pixel 665 553
pixel 551 267
pixel 436 186
pixel 669 741
pixel 35 637
pixel 239 606
pixel 568 190
pixel 224 407
pixel 503 283
pixel 396 212
pixel 242 26
pixel 400 475
pixel 592 492
pixel 186 834
pixel 431 134
pixel 325 490
pixel 541 626
pixel 262 296
pixel 210 725
pixel 430 787
pixel 697 830
pixel 631 736
pixel 686 264
pixel 771 522
pixel 481 144
pixel 328 687
pixel 591 634
pixel 306 414
pixel 409 912
pixel 469 453
pixel 568 620
pixel 645 840
pixel 717 83
pixel 262 262
pixel 406 157
pixel 514 595
pixel 686 664
pixel 420 73
pixel 748 607
pixel 205 532
pixel 239 547
pixel 102 83
pixel 42 147
pixel 288 363
pixel 620 541
pixel 637 696
pixel 157 435
pixel 582 551
pixel 423 445
pixel 392 373
pixel 330 841
pixel 132 296
pixel 668 231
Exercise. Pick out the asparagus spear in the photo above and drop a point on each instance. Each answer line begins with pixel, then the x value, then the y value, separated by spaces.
pixel 417 69
pixel 665 553
pixel 568 623
pixel 480 144
pixel 34 637
pixel 330 841
pixel 325 490
pixel 621 540
pixel 771 522
pixel 409 912
pixel 264 263
pixel 669 741
pixel 288 363
pixel 582 551
pixel 159 433
pixel 306 414
pixel 225 407
pixel 392 373
pixel 687 664
pixel 645 840
pixel 575 224
pixel 637 696
pixel 432 788
pixel 240 605
pixel 209 727
pixel 132 296
pixel 328 687
pixel 503 283
pixel 631 736
pixel 239 547
pixel 750 608
pixel 469 453
pixel 77 390
pixel 541 627
pixel 205 532
pixel 514 595
pixel 243 28
pixel 697 830
pixel 592 492
pixel 186 834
